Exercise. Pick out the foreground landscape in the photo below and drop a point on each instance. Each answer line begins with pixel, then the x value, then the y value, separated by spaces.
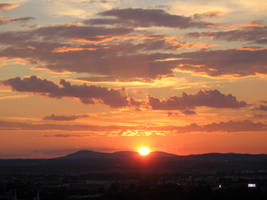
pixel 127 175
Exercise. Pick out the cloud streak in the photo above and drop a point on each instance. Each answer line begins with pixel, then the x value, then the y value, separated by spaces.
pixel 228 126
pixel 233 62
pixel 22 126
pixel 252 34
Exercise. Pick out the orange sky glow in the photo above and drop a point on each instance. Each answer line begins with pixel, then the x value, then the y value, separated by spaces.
pixel 117 76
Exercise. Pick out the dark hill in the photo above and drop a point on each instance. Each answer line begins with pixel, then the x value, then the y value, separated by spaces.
pixel 85 154
pixel 126 162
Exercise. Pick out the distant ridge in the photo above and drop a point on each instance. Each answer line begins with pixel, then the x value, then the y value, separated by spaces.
pixel 228 156
pixel 125 162
pixel 86 154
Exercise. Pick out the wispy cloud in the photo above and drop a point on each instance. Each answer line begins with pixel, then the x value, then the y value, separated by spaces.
pixel 5 20
pixel 227 126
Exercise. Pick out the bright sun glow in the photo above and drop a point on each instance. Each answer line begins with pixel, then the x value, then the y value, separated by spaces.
pixel 144 151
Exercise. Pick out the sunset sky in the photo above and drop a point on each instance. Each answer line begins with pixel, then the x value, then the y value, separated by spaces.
pixel 185 77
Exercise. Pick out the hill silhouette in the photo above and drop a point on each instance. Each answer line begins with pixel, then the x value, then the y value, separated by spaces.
pixel 86 161
pixel 86 154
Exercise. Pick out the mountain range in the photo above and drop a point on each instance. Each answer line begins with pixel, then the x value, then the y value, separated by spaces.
pixel 131 162
pixel 86 154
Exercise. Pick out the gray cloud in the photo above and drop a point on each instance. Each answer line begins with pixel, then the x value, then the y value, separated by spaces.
pixel 118 61
pixel 225 62
pixel 84 32
pixel 85 93
pixel 261 41
pixel 262 108
pixel 138 17
pixel 253 34
pixel 60 33
pixel 207 14
pixel 93 94
pixel 209 98
pixel 64 117
pixel 123 60
pixel 127 62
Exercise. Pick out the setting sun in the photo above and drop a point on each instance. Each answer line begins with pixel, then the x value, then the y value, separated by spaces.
pixel 144 151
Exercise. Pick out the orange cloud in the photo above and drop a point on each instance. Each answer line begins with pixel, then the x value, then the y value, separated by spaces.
pixel 188 45
pixel 65 49
pixel 231 26
pixel 109 39
pixel 13 61
pixel 254 24
pixel 7 6
pixel 252 48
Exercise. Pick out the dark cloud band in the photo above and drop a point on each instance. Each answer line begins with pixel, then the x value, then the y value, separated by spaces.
pixel 138 17
pixel 208 98
pixel 85 93
pixel 54 117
